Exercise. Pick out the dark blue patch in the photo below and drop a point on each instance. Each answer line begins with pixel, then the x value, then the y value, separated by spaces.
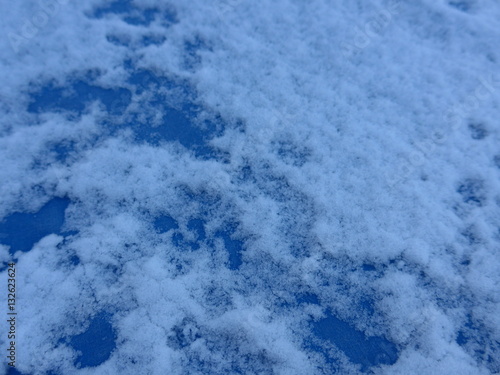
pixel 198 226
pixel 141 18
pixel 360 349
pixel 246 174
pixel 277 187
pixel 169 17
pixel 75 260
pixel 21 231
pixel 217 298
pixel 192 57
pixel 63 150
pixel 178 240
pixel 477 340
pixel 233 354
pixel 130 13
pixel 463 6
pixel 156 40
pixel 470 234
pixel 164 223
pixel 122 41
pixel 179 122
pixel 477 131
pixel 369 267
pixel 472 191
pixel 366 305
pixel 115 7
pixel 291 153
pixel 462 338
pixel 308 298
pixel 14 371
pixel 177 126
pixel 233 247
pixel 76 97
pixel 496 160
pixel 69 233
pixel 96 343
pixel 183 334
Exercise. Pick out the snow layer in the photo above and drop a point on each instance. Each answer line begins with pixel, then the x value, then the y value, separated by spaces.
pixel 242 187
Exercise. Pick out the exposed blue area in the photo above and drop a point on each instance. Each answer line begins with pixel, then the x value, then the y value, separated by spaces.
pixel 174 102
pixel 75 260
pixel 192 57
pixel 130 13
pixel 21 231
pixel 477 340
pixel 471 235
pixel 178 240
pixel 292 153
pixel 15 371
pixel 238 354
pixel 472 191
pixel 115 7
pixel 478 131
pixel 152 39
pixel 77 96
pixel 233 247
pixel 360 349
pixel 95 344
pixel 167 114
pixel 463 5
pixel 177 125
pixel 496 160
pixel 183 334
pixel 164 223
pixel 308 298
pixel 118 40
pixel 63 150
pixel 141 18
pixel 197 226
pixel 366 304
pixel 369 267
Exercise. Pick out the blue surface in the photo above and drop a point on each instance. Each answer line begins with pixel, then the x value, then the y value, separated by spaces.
pixel 129 12
pixel 95 344
pixel 472 192
pixel 363 350
pixel 21 231
pixel 164 223
pixel 233 247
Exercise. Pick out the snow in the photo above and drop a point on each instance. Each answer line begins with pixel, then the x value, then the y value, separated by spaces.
pixel 237 187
